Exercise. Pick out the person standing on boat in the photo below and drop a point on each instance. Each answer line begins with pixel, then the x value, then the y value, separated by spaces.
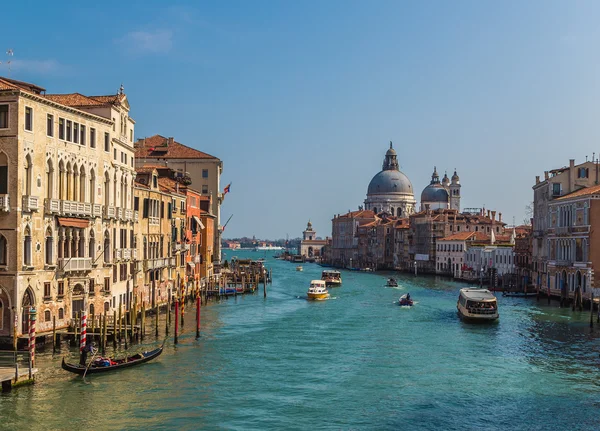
pixel 84 352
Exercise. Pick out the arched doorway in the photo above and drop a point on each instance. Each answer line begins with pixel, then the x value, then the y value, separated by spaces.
pixel 77 300
pixel 310 252
pixel 27 302
pixel 563 284
pixel 4 313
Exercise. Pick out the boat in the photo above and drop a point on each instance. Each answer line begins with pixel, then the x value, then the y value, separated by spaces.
pixel 104 365
pixel 476 304
pixel 519 294
pixel 268 248
pixel 392 282
pixel 406 300
pixel 317 291
pixel 299 268
pixel 331 278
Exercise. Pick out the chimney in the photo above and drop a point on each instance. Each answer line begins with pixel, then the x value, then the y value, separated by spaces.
pixel 170 141
pixel 546 175
pixel 500 217
pixel 571 163
pixel 537 179
pixel 493 215
pixel 488 213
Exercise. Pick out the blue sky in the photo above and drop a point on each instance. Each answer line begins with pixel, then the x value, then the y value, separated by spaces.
pixel 300 99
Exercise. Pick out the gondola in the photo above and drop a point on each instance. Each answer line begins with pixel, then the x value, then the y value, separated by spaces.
pixel 116 364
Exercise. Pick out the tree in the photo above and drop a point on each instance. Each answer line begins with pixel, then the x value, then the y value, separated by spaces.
pixel 528 214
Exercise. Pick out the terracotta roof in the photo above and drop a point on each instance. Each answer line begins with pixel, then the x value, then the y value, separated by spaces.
pixel 467 236
pixel 359 214
pixel 110 98
pixel 13 84
pixel 145 169
pixel 582 192
pixel 158 146
pixel 170 185
pixel 74 100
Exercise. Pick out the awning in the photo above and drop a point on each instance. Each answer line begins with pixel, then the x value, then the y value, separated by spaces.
pixel 73 222
pixel 198 222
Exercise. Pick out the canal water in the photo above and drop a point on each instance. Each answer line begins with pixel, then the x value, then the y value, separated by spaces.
pixel 356 361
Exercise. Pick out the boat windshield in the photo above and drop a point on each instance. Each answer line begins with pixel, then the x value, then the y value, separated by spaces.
pixel 481 304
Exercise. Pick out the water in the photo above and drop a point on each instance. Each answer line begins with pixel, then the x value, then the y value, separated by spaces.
pixel 356 361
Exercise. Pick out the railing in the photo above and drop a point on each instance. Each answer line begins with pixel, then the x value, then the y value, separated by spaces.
pixel 538 233
pixel 75 208
pixel 562 229
pixel 52 206
pixel 564 262
pixel 134 253
pixel 17 360
pixel 153 220
pixel 172 262
pixel 156 263
pixel 185 247
pixel 96 210
pixel 4 203
pixel 75 264
pixel 109 212
pixel 128 215
pixel 126 253
pixel 118 253
pixel 176 247
pixel 197 258
pixel 136 215
pixel 30 203
pixel 120 213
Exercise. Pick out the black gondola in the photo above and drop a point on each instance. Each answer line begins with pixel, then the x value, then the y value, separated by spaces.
pixel 118 364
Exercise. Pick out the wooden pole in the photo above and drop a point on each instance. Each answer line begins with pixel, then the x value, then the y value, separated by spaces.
pixel 176 318
pixel 143 320
pixel 156 320
pixel 126 321
pixel 103 342
pixel 198 317
pixel 265 286
pixel 92 327
pixel 115 329
pixel 591 309
pixel 53 334
pixel 79 336
pixel 120 319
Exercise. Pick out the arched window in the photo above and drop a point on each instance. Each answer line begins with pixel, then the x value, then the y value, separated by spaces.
pixel 3 251
pixel 81 247
pixel 92 186
pixel 82 184
pixel 28 176
pixel 61 314
pixel 69 181
pixel 115 195
pixel 49 247
pixel 145 248
pixel 75 184
pixel 91 309
pixel 62 187
pixel 106 189
pixel 27 247
pixel 47 316
pixel 3 174
pixel 92 245
pixel 106 306
pixel 107 247
pixel 49 180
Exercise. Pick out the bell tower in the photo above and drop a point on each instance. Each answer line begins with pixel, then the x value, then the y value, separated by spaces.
pixel 309 234
pixel 455 192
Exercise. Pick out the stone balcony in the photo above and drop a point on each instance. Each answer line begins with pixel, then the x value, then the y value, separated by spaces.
pixel 120 213
pixel 172 262
pixel 127 215
pixel 71 264
pixel 176 247
pixel 136 215
pixel 66 208
pixel 118 253
pixel 4 203
pixel 156 263
pixel 75 208
pixel 153 220
pixel 109 212
pixel 30 203
pixel 96 210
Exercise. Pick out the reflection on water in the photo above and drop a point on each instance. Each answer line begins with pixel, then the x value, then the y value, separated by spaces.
pixel 357 362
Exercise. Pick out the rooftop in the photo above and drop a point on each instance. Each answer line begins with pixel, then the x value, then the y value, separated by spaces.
pixel 159 147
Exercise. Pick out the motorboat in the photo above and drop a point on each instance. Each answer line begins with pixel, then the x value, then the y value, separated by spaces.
pixel 406 300
pixel 331 278
pixel 317 291
pixel 476 304
pixel 392 282
pixel 299 268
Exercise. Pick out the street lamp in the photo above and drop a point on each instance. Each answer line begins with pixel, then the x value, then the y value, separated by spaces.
pixel 415 267
pixel 481 277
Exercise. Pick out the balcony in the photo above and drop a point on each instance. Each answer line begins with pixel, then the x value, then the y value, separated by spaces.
pixel 118 253
pixel 120 214
pixel 175 247
pixel 109 212
pixel 4 203
pixel 153 220
pixel 75 264
pixel 126 253
pixel 197 258
pixel 564 262
pixel 30 203
pixel 96 210
pixel 75 208
pixel 156 263
pixel 185 247
pixel 128 214
pixel 172 262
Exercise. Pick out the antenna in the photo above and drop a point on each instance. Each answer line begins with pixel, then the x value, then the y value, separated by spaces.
pixel 9 53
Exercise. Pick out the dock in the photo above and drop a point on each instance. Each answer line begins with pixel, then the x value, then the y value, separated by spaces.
pixel 16 368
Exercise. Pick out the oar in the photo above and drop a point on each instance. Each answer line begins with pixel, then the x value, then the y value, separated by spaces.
pixel 91 361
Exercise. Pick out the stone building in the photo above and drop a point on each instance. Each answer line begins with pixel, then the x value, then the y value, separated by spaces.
pixel 523 256
pixel 310 246
pixel 390 191
pixel 66 204
pixel 344 247
pixel 202 169
pixel 556 183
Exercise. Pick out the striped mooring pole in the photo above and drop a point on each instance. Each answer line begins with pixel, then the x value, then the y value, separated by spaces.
pixel 83 335
pixel 32 317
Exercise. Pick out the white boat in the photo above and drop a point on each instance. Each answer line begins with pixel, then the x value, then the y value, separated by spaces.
pixel 331 278
pixel 477 305
pixel 317 291
pixel 299 268
pixel 269 247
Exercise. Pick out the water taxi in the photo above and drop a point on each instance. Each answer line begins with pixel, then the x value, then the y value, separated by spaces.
pixel 392 282
pixel 477 305
pixel 405 300
pixel 331 278
pixel 299 268
pixel 317 291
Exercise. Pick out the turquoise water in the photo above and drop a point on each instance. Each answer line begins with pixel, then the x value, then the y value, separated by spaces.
pixel 356 361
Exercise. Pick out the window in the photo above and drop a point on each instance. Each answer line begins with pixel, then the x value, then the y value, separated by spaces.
pixel 47 290
pixel 136 203
pixel 49 247
pixel 61 314
pixel 28 118
pixel 76 133
pixel 50 125
pixel 3 250
pixel 204 173
pixel 61 128
pixel 115 154
pixel 69 130
pixel 556 189
pixel 107 284
pixel 82 138
pixel 27 248
pixel 92 286
pixel 204 188
pixel 131 135
pixel 3 116
pixel 61 288
pixel 106 142
pixel 92 137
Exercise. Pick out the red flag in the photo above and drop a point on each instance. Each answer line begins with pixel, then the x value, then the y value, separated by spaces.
pixel 227 189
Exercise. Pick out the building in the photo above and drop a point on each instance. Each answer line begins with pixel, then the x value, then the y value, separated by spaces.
pixel 390 191
pixel 66 204
pixel 310 246
pixel 444 195
pixel 523 256
pixel 199 169
pixel 344 246
pixel 556 183
pixel 451 251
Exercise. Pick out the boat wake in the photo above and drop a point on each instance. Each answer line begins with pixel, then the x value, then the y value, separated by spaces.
pixel 395 287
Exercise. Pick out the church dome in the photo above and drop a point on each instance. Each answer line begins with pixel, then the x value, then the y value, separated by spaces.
pixel 390 181
pixel 434 193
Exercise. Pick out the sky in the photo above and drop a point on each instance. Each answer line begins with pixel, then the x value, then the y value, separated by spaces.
pixel 301 99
